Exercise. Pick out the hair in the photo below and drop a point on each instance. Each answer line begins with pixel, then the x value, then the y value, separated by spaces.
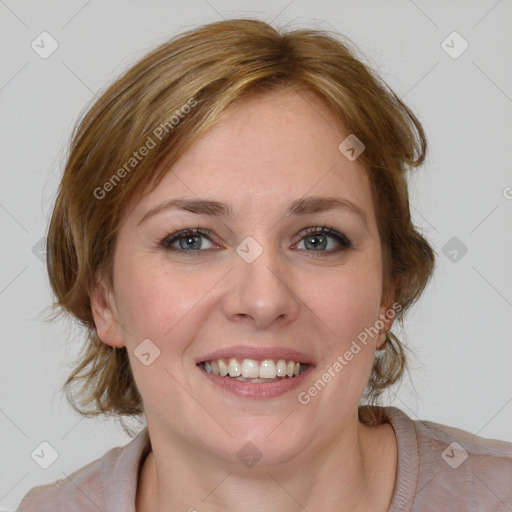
pixel 164 103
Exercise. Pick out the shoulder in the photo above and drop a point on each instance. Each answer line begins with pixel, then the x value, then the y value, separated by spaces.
pixel 93 487
pixel 457 470
pixel 76 491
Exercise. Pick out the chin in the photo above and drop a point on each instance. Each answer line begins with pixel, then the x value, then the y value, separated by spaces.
pixel 268 443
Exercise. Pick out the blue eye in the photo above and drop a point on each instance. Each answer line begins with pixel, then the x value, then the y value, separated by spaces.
pixel 317 237
pixel 316 240
pixel 188 240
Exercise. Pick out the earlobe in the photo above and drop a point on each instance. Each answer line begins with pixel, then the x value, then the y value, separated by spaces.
pixel 105 316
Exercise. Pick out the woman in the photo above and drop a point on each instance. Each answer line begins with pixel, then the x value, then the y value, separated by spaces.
pixel 233 229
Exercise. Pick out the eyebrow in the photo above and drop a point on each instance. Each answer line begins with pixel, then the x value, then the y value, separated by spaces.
pixel 301 206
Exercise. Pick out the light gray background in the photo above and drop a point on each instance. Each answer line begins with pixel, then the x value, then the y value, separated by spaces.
pixel 460 329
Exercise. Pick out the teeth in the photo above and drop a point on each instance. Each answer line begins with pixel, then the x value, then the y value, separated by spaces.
pixel 255 381
pixel 223 367
pixel 268 369
pixel 235 370
pixel 281 368
pixel 250 369
pixel 254 371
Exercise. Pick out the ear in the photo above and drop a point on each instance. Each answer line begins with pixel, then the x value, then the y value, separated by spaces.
pixel 387 315
pixel 388 311
pixel 105 315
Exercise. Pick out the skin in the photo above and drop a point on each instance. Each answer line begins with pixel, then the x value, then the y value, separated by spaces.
pixel 261 156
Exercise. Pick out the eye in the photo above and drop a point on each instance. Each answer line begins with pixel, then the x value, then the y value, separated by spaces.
pixel 187 240
pixel 317 239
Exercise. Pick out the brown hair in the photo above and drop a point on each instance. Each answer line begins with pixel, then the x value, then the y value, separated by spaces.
pixel 164 103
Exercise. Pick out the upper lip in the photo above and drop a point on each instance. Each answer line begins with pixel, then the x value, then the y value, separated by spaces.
pixel 259 353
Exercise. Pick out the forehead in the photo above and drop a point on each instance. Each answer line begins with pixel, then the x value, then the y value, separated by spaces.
pixel 264 153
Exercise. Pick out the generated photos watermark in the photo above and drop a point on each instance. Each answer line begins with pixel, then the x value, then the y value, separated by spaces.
pixel 151 142
pixel 304 397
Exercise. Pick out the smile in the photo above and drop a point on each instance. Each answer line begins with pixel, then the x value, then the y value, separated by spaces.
pixel 251 370
pixel 256 379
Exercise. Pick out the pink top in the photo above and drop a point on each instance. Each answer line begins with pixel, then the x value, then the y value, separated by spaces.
pixel 439 468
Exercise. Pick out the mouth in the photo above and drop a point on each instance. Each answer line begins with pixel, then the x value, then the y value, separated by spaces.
pixel 250 373
pixel 254 371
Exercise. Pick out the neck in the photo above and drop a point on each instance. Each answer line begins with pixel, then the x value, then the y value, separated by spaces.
pixel 353 472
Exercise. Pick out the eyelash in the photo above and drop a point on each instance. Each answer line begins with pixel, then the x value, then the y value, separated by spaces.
pixel 344 242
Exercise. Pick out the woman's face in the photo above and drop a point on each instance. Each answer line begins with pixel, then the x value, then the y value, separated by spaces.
pixel 255 287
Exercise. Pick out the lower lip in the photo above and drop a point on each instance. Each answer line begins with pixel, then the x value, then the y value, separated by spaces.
pixel 257 389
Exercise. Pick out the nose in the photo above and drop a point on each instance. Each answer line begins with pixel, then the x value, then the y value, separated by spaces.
pixel 261 292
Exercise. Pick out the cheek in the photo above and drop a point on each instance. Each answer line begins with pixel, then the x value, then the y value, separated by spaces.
pixel 347 300
pixel 347 306
pixel 156 303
